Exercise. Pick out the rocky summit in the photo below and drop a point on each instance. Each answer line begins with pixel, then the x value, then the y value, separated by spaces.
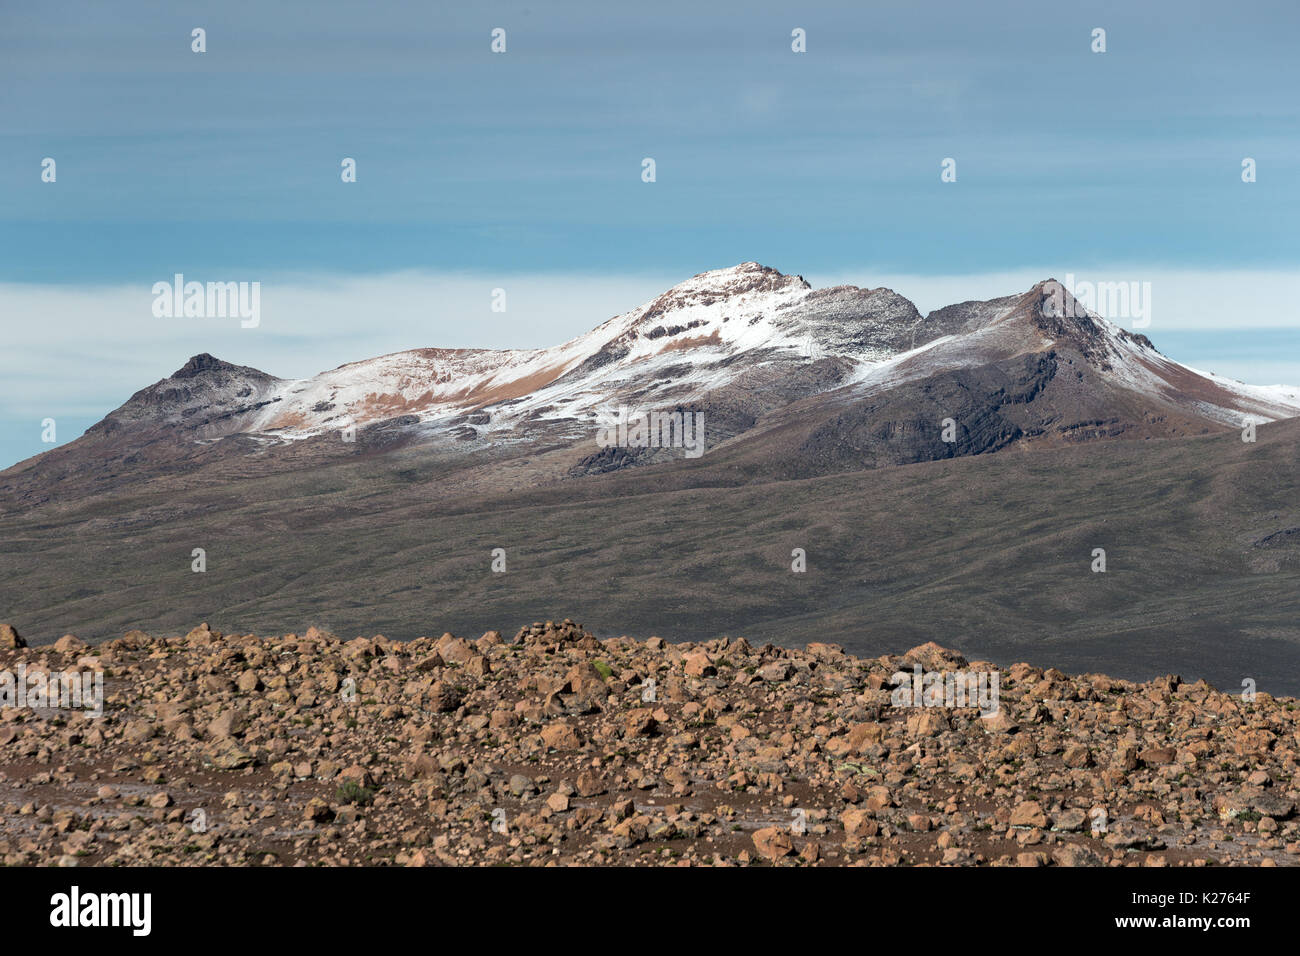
pixel 555 747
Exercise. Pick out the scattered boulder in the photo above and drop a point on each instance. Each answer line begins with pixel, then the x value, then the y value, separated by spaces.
pixel 773 843
pixel 10 639
pixel 556 747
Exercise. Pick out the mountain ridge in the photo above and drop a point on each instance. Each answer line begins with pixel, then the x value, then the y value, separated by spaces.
pixel 860 373
pixel 437 383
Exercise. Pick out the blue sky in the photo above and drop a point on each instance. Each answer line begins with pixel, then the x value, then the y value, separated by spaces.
pixel 522 170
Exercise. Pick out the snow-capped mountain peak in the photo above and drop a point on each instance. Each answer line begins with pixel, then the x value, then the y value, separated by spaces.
pixel 748 330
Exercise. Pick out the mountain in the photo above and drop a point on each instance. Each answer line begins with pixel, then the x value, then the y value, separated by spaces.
pixel 746 329
pixel 852 377
pixel 206 398
pixel 824 423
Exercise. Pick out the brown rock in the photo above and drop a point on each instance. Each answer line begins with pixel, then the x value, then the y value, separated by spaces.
pixel 999 723
pixel 1072 854
pixel 928 723
pixel 455 650
pixel 201 636
pixel 357 774
pixel 1077 757
pixel 589 785
pixel 561 736
pixel 317 810
pixel 776 671
pixel 879 798
pixel 933 657
pixel 445 696
pixel 773 843
pixel 859 823
pixel 698 665
pixel 69 643
pixel 860 735
pixel 1029 814
pixel 639 722
pixel 227 755
pixel 1158 756
pixel 1070 820
pixel 229 723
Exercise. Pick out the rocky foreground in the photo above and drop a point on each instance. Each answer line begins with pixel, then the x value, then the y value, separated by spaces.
pixel 554 747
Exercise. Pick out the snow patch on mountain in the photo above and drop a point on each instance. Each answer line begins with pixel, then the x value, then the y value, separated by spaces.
pixel 677 346
pixel 747 321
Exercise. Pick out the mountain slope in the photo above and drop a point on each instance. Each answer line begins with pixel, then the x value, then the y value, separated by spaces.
pixel 993 552
pixel 708 333
pixel 824 414
pixel 851 377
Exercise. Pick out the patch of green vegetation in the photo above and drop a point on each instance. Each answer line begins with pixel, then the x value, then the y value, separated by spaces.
pixel 859 768
pixel 603 669
pixel 350 791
